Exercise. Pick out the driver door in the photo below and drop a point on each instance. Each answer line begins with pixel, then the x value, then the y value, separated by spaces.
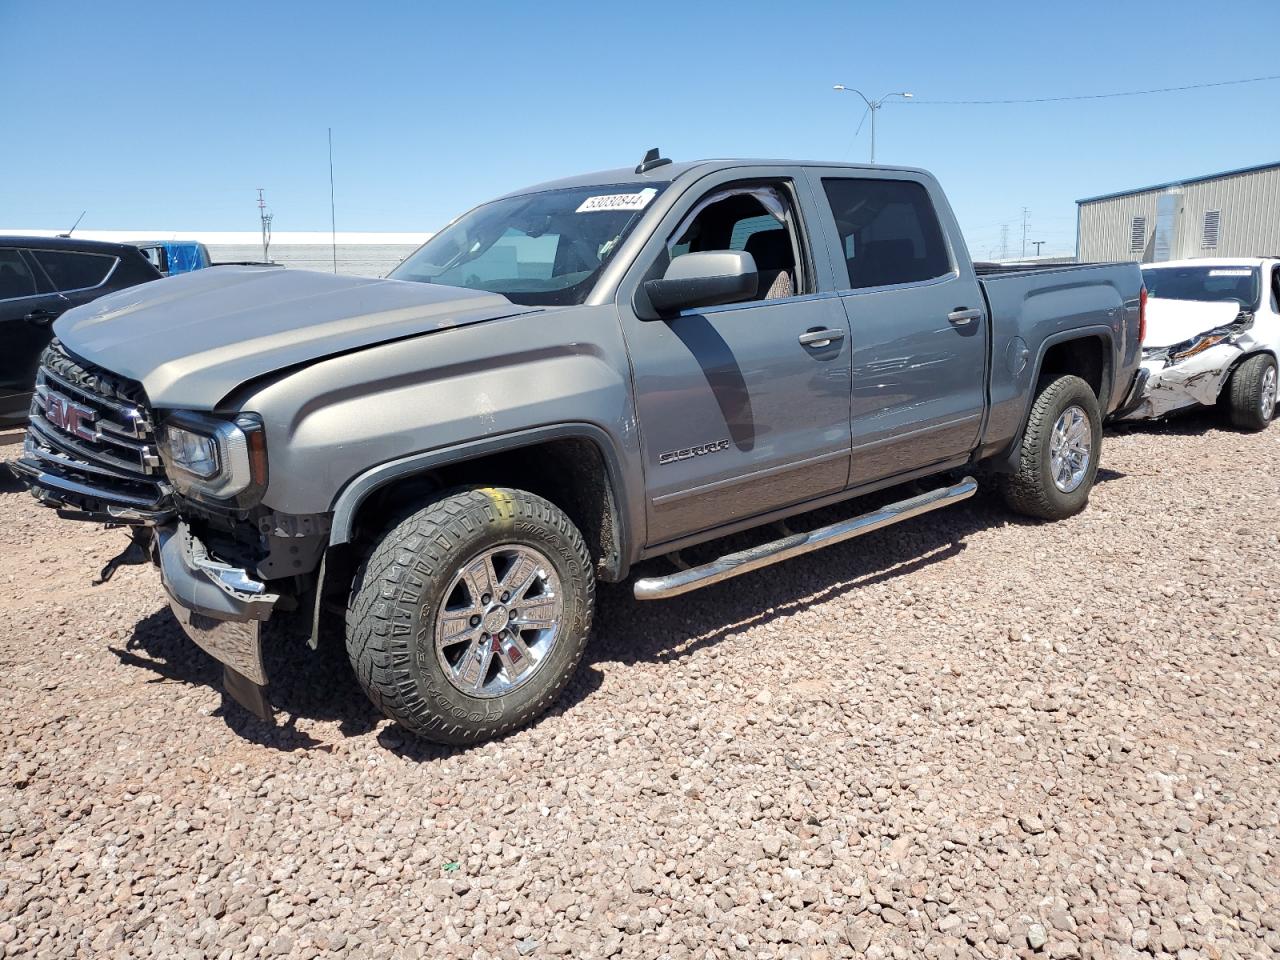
pixel 740 412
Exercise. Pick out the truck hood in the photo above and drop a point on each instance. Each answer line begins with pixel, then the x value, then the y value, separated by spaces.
pixel 192 339
pixel 1174 321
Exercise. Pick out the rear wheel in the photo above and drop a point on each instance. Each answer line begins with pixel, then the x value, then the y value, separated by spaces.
pixel 1251 394
pixel 471 615
pixel 1060 449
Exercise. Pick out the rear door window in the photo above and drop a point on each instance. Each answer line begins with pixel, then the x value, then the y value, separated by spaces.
pixel 15 276
pixel 72 270
pixel 889 231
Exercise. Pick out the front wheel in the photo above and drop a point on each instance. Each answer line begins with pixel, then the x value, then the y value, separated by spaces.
pixel 1060 449
pixel 471 615
pixel 1251 394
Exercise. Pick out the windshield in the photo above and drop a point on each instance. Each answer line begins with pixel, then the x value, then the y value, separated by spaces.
pixel 1213 284
pixel 540 248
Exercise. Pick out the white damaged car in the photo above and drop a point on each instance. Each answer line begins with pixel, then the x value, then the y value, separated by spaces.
pixel 1212 337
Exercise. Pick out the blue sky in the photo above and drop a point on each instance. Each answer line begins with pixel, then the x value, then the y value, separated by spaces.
pixel 168 116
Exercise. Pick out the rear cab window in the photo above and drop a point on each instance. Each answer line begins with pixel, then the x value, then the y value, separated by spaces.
pixel 70 270
pixel 889 231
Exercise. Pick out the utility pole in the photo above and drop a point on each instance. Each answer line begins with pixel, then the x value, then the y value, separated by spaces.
pixel 1025 214
pixel 1037 244
pixel 265 217
pixel 1004 241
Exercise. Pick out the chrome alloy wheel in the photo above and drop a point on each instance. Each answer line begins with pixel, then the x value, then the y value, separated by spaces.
pixel 499 620
pixel 1267 401
pixel 1070 448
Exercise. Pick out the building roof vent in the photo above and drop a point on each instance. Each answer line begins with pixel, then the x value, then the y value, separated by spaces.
pixel 1212 223
pixel 1138 235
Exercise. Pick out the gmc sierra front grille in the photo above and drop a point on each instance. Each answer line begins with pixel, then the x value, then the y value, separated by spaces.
pixel 91 444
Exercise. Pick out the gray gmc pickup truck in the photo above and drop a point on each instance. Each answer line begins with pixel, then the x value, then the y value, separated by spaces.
pixel 561 383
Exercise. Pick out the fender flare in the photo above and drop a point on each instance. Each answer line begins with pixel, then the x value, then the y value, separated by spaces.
pixel 347 504
pixel 1009 460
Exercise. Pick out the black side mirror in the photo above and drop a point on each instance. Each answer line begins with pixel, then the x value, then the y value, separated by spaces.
pixel 704 280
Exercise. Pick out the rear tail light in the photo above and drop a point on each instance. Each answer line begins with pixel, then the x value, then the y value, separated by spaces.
pixel 1142 315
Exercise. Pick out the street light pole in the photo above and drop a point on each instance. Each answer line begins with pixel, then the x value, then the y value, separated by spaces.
pixel 872 107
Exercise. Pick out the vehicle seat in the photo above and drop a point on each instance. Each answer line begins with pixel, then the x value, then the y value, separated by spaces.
pixel 882 262
pixel 775 261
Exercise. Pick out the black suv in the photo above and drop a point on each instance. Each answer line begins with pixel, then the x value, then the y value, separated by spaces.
pixel 40 279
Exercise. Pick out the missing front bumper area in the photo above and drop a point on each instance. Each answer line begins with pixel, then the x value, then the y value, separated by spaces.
pixel 78 500
pixel 221 608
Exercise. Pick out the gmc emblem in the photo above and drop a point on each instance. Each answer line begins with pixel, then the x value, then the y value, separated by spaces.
pixel 69 416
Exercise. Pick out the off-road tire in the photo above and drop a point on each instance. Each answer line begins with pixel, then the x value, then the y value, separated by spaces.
pixel 1030 490
pixel 1244 393
pixel 397 592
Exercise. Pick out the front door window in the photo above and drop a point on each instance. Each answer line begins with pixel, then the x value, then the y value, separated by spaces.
pixel 758 220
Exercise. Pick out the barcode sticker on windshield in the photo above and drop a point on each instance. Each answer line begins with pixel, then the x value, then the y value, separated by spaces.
pixel 618 201
pixel 1230 273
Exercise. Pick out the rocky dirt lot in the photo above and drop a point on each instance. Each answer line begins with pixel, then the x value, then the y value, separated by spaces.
pixel 966 736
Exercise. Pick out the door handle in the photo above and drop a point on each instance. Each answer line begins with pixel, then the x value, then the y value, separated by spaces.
pixel 820 338
pixel 40 317
pixel 963 316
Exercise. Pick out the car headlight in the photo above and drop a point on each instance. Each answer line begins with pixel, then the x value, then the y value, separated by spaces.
pixel 1198 345
pixel 213 459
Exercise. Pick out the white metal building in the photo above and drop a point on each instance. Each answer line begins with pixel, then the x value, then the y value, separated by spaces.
pixel 1231 214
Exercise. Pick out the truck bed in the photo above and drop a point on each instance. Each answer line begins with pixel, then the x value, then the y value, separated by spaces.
pixel 1039 304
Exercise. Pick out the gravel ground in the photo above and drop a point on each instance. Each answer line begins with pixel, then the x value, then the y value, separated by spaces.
pixel 966 736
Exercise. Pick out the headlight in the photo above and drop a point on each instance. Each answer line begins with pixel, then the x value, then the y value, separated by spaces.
pixel 1198 345
pixel 208 458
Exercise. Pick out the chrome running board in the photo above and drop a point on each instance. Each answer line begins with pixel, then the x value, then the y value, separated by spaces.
pixel 744 561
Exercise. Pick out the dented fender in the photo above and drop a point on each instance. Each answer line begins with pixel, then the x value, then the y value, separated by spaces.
pixel 1197 380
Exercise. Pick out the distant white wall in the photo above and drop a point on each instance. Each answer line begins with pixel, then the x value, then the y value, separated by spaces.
pixel 354 259
pixel 231 237
pixel 362 254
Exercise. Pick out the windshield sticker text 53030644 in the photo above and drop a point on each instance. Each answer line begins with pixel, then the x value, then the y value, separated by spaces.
pixel 618 201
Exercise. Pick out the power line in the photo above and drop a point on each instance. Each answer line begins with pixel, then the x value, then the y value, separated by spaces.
pixel 1102 96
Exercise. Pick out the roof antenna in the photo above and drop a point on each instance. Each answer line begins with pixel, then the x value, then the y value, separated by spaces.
pixel 652 159
pixel 67 235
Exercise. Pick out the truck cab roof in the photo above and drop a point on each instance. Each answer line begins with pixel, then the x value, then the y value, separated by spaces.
pixel 668 172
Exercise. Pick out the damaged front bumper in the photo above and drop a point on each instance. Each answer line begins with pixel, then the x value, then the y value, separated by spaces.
pixel 1166 386
pixel 221 608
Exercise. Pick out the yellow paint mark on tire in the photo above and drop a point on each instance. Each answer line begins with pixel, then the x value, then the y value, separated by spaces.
pixel 502 500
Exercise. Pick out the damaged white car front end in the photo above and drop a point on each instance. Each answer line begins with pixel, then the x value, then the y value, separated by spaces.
pixel 1189 352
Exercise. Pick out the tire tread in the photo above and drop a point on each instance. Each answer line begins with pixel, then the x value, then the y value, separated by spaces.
pixel 1244 393
pixel 1024 490
pixel 380 656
